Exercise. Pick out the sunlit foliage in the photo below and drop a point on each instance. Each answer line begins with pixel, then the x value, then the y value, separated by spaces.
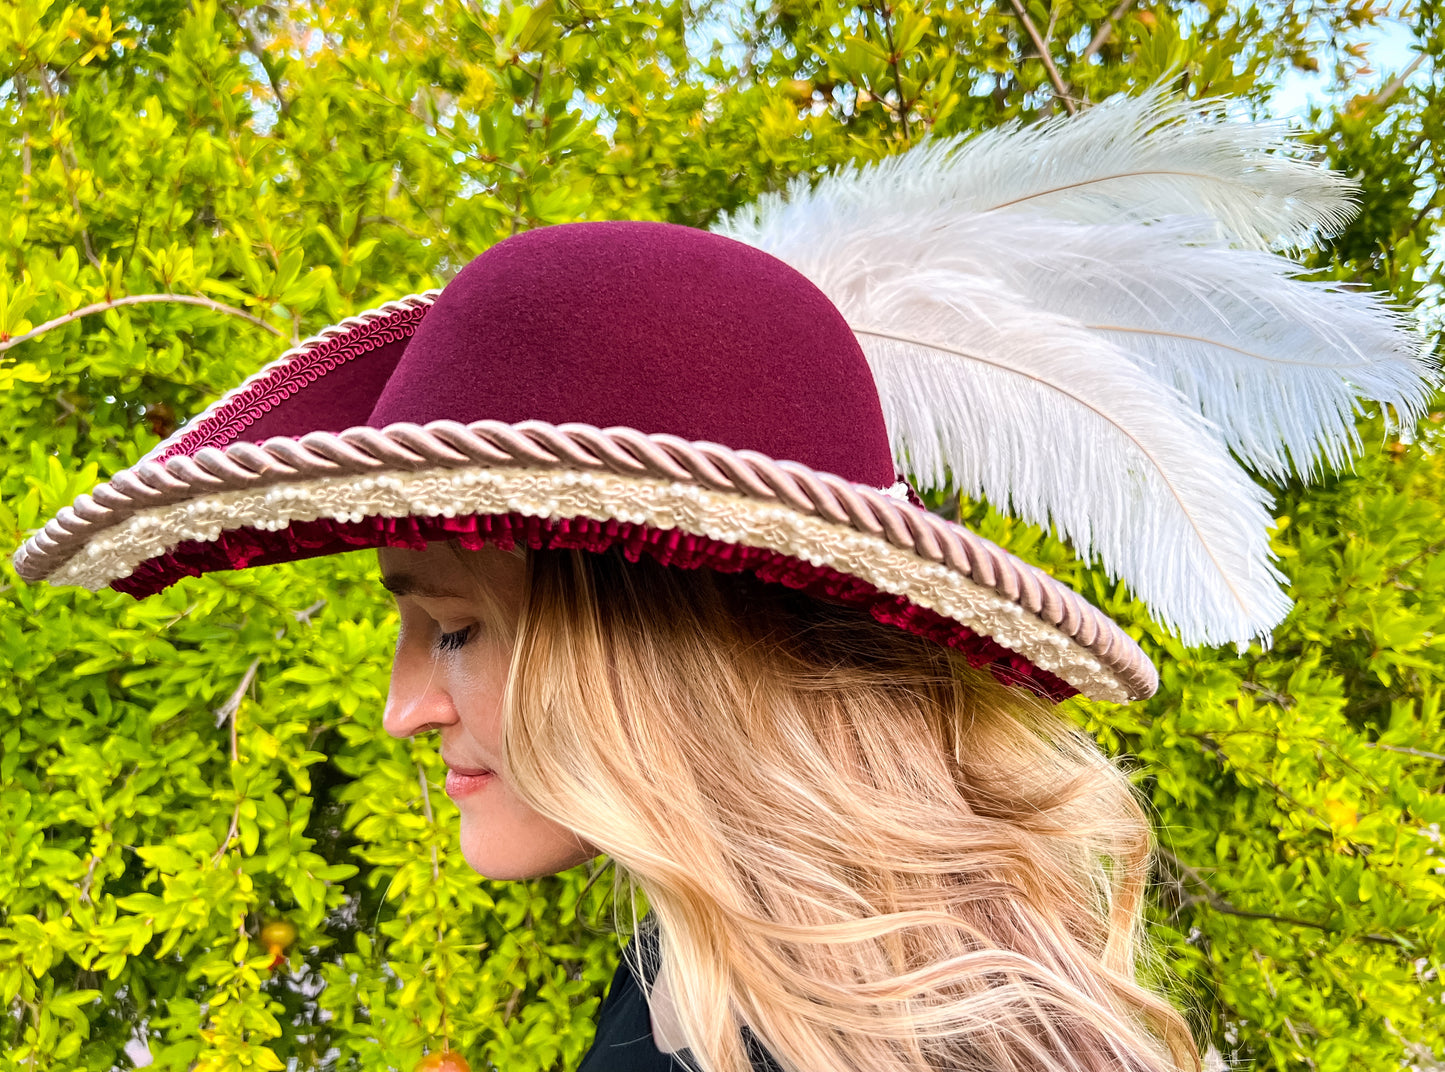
pixel 175 774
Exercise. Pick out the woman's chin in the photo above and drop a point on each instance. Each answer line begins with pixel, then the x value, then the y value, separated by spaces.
pixel 497 870
pixel 489 856
pixel 502 855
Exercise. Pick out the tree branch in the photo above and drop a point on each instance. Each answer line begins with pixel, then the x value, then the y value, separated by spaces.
pixel 1212 746
pixel 1277 698
pixel 1405 751
pixel 1398 82
pixel 1061 91
pixel 89 878
pixel 436 875
pixel 138 299
pixel 430 817
pixel 22 94
pixel 232 705
pixel 886 18
pixel 68 164
pixel 229 711
pixel 1207 737
pixel 253 46
pixel 231 832
pixel 1106 31
pixel 1208 895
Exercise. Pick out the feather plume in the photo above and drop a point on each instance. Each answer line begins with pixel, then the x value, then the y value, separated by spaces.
pixel 1081 320
pixel 1057 426
pixel 1127 159
pixel 1277 362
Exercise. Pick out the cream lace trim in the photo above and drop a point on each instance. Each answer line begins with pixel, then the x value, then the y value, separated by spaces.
pixel 115 553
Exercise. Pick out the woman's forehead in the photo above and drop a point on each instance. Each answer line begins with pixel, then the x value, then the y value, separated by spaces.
pixel 443 571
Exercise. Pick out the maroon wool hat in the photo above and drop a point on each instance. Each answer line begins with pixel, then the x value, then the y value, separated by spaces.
pixel 582 386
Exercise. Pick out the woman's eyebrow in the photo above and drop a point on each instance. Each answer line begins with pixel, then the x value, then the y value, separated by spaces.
pixel 404 584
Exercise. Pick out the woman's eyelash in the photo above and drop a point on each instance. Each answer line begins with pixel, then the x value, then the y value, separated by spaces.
pixel 453 641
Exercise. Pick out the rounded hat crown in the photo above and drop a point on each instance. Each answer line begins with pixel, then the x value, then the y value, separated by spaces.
pixel 650 326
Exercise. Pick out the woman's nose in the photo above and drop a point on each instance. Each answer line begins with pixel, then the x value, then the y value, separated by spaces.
pixel 415 703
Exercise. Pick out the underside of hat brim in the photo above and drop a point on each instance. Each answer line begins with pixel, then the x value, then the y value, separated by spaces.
pixel 153 522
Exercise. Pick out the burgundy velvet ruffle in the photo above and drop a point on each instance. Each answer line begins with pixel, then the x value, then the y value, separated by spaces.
pixel 246 547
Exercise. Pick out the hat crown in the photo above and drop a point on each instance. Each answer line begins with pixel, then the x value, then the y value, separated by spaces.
pixel 650 326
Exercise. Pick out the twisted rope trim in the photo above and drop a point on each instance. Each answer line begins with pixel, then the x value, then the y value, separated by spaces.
pixel 236 410
pixel 288 469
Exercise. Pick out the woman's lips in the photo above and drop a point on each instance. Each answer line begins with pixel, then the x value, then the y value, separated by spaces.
pixel 463 781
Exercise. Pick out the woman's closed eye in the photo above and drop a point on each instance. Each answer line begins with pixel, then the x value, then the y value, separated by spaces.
pixel 454 640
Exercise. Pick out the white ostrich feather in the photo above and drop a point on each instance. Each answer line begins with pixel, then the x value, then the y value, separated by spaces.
pixel 1278 363
pixel 1080 321
pixel 1056 425
pixel 1130 158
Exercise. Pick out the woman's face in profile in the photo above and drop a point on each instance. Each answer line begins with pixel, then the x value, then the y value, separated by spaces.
pixel 458 621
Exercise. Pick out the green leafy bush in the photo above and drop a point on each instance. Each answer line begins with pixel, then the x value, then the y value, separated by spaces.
pixel 220 180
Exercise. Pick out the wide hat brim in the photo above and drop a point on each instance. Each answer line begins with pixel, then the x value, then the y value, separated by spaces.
pixel 590 385
pixel 190 508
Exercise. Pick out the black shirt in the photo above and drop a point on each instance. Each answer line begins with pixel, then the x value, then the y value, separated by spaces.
pixel 624 1025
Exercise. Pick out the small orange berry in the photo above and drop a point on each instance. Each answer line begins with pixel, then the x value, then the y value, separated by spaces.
pixel 449 1061
pixel 279 932
pixel 277 937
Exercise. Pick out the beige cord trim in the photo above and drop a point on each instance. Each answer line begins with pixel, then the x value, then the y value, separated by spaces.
pixel 801 492
pixel 662 504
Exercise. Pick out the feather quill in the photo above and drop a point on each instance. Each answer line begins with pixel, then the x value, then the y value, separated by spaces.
pixel 1080 321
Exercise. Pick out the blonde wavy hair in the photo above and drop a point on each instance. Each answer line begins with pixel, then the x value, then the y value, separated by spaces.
pixel 871 854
